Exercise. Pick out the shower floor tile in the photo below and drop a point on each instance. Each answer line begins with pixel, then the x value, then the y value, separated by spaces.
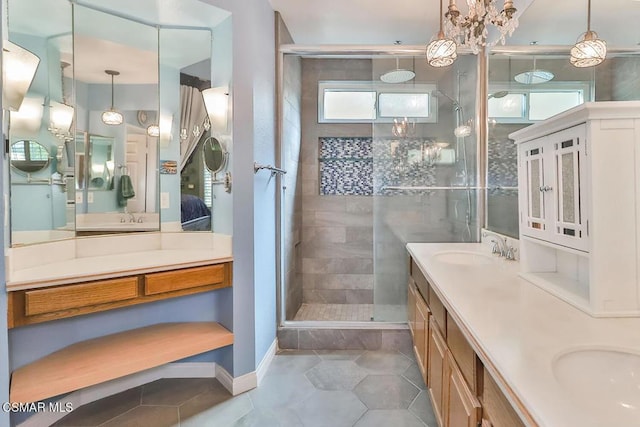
pixel 336 312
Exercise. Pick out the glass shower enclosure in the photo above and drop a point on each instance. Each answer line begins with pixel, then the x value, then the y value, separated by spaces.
pixel 425 171
pixel 363 179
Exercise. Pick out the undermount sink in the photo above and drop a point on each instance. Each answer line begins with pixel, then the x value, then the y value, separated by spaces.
pixel 604 382
pixel 463 258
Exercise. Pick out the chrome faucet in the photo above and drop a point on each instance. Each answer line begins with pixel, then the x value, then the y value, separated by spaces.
pixel 499 245
pixel 132 217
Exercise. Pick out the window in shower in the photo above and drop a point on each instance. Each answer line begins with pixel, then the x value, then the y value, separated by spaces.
pixel 372 102
pixel 528 105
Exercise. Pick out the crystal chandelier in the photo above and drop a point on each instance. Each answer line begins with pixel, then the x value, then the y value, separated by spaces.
pixel 441 52
pixel 472 30
pixel 403 128
pixel 589 50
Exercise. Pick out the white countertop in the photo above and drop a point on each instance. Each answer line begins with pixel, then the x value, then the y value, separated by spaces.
pixel 109 266
pixel 520 330
pixel 103 257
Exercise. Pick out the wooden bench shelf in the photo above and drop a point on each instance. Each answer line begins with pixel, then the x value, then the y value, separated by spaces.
pixel 113 356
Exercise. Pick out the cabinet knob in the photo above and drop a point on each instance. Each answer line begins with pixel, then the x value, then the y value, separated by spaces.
pixel 546 188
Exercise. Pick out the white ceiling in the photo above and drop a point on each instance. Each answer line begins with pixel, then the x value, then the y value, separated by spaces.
pixel 414 22
pixel 105 42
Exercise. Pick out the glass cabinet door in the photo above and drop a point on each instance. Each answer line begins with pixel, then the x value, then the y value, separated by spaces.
pixel 569 150
pixel 535 216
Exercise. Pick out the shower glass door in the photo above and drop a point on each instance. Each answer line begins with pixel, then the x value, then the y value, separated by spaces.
pixel 424 176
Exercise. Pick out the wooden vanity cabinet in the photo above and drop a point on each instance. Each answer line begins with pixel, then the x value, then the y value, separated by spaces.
pixel 462 406
pixel 462 393
pixel 411 307
pixel 497 411
pixel 421 339
pixel 437 372
pixel 30 306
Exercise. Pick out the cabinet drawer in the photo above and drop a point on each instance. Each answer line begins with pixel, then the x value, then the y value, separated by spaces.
pixel 463 354
pixel 50 300
pixel 438 311
pixel 495 405
pixel 157 283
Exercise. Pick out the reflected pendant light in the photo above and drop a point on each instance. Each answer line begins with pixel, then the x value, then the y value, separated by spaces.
pixel 534 76
pixel 442 51
pixel 153 130
pixel 112 116
pixel 589 50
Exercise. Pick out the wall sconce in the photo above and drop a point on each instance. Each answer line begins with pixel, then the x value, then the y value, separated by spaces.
pixel 28 119
pixel 18 70
pixel 216 101
pixel 60 119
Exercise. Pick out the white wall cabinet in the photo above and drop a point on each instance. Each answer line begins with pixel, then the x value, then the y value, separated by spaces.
pixel 553 178
pixel 579 203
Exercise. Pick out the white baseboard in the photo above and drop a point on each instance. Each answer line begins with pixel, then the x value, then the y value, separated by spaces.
pixel 250 380
pixel 266 360
pixel 235 386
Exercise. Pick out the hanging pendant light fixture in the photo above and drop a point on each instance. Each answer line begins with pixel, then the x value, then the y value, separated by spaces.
pixel 441 52
pixel 589 50
pixel 112 116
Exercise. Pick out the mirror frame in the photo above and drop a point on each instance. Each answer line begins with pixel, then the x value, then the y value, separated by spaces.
pixel 17 163
pixel 210 147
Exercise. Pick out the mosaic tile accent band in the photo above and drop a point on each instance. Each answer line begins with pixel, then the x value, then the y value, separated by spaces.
pixel 346 166
pixel 361 166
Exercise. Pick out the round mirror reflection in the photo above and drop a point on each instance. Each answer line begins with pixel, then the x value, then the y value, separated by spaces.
pixel 214 155
pixel 29 156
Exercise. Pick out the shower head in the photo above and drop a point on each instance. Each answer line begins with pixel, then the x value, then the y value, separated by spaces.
pixel 497 95
pixel 398 75
pixel 440 94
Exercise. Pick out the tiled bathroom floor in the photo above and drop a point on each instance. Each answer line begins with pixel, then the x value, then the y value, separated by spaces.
pixel 301 389
pixel 337 312
pixel 352 312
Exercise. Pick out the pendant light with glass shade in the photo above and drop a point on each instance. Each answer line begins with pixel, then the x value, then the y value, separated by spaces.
pixel 534 76
pixel 112 116
pixel 589 50
pixel 441 52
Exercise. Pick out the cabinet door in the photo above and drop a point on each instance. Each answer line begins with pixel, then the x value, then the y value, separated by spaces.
pixel 533 163
pixel 421 337
pixel 437 368
pixel 411 306
pixel 568 148
pixel 463 408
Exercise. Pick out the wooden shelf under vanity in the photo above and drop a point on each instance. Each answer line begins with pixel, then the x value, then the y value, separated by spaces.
pixel 30 306
pixel 113 356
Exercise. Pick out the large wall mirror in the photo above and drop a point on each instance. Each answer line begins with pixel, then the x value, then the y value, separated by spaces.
pixel 527 87
pixel 105 115
pixel 42 206
pixel 116 83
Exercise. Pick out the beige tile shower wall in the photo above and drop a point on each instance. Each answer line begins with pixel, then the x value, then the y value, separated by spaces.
pixel 337 231
pixel 292 203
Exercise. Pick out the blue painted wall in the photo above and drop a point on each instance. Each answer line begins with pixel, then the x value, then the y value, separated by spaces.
pixel 249 307
pixel 254 195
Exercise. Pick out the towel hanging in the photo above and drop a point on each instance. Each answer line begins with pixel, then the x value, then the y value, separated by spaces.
pixel 125 190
